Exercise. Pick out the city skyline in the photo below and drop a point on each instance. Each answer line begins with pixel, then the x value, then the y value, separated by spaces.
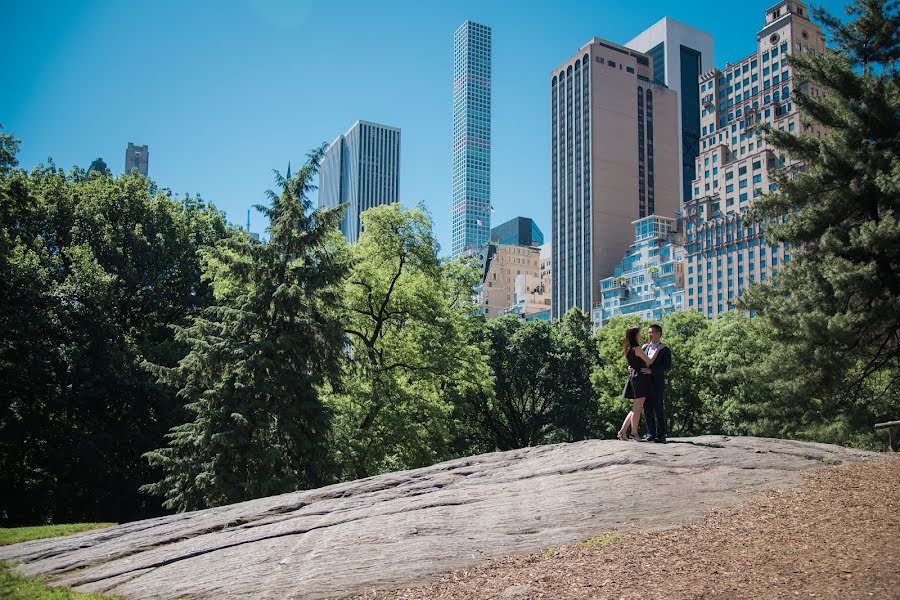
pixel 219 131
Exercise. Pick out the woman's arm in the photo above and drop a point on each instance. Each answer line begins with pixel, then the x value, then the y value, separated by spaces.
pixel 643 356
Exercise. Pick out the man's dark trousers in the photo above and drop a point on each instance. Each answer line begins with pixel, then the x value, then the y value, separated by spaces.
pixel 655 409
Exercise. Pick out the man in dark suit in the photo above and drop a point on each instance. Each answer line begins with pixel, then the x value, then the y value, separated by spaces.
pixel 655 408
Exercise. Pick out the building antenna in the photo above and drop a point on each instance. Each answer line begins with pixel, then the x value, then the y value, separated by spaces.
pixel 248 220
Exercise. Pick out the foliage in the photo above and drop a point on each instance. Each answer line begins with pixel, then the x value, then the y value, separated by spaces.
pixel 256 358
pixel 407 319
pixel 835 311
pixel 15 535
pixel 95 272
pixel 542 389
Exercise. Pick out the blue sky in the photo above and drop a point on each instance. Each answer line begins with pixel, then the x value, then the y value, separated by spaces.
pixel 223 92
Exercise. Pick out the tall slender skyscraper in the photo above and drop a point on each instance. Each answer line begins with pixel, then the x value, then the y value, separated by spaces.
pixel 471 137
pixel 614 159
pixel 361 169
pixel 137 157
pixel 680 54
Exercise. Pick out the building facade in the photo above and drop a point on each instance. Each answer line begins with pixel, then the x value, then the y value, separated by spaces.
pixel 360 169
pixel 500 266
pixel 471 138
pixel 137 157
pixel 649 281
pixel 614 159
pixel 726 252
pixel 680 55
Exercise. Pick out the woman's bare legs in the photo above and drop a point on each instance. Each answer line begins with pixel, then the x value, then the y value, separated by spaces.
pixel 623 433
pixel 635 415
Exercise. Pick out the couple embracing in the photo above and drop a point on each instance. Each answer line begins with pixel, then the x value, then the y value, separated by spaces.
pixel 646 385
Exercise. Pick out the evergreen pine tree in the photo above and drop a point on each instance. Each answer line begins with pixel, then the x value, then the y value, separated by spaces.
pixel 836 306
pixel 256 359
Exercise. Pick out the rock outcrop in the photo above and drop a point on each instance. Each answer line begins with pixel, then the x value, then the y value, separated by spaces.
pixel 400 528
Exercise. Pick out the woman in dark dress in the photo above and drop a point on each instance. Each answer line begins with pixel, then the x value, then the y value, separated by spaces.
pixel 639 385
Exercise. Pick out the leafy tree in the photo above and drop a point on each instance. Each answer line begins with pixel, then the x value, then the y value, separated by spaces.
pixel 723 357
pixel 408 321
pixel 9 147
pixel 95 272
pixel 542 389
pixel 256 360
pixel 835 309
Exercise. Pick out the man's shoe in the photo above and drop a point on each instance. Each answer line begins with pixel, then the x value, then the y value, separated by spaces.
pixel 649 438
pixel 659 440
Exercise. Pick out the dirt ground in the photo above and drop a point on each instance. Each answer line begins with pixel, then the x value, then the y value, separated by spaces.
pixel 835 536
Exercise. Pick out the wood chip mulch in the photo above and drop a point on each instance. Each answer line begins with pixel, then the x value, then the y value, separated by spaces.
pixel 835 536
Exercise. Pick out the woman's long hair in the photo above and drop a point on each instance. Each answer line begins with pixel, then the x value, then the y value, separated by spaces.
pixel 631 339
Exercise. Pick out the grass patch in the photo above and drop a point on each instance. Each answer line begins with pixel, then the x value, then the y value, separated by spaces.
pixel 14 535
pixel 14 586
pixel 604 539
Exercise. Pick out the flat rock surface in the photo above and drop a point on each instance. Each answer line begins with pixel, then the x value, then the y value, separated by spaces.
pixel 403 528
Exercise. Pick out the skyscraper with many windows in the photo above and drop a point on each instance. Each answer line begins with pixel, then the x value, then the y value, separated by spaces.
pixel 726 252
pixel 361 169
pixel 680 54
pixel 614 159
pixel 471 137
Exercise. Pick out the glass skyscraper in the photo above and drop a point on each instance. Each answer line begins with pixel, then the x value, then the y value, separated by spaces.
pixel 361 169
pixel 471 137
pixel 680 55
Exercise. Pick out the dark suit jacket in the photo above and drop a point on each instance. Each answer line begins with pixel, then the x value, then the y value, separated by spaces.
pixel 659 368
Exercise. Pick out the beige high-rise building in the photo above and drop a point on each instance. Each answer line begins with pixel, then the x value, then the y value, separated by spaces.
pixel 615 151
pixel 725 251
pixel 501 264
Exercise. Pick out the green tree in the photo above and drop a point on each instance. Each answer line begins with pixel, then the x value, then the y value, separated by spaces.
pixel 256 359
pixel 95 273
pixel 408 321
pixel 542 388
pixel 835 309
pixel 723 357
